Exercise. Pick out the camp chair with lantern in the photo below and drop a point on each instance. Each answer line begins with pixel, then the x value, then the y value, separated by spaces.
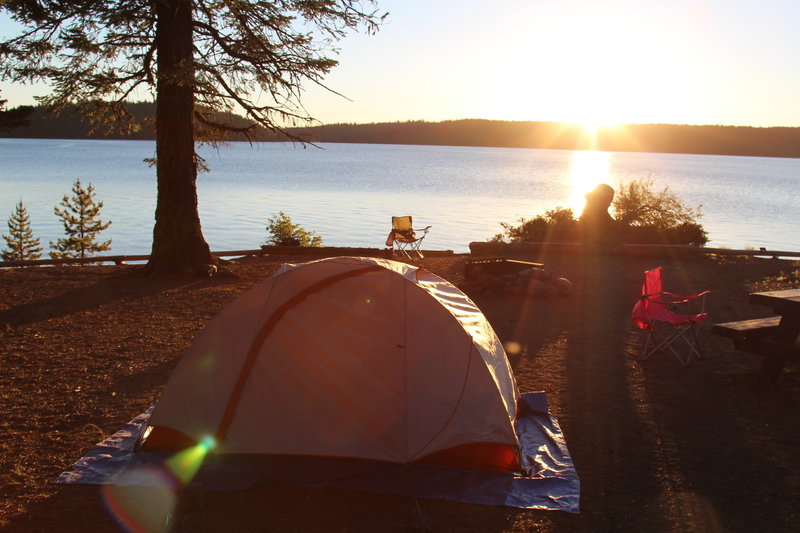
pixel 404 238
pixel 656 313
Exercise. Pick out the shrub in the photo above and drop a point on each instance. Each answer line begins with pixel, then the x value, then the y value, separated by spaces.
pixel 645 216
pixel 685 233
pixel 650 216
pixel 637 204
pixel 282 232
pixel 558 224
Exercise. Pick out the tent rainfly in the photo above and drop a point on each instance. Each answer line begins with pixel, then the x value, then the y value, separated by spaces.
pixel 354 358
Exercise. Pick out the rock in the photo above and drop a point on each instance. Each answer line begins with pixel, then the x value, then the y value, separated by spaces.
pixel 550 290
pixel 563 286
pixel 518 288
pixel 507 282
pixel 525 274
pixel 535 288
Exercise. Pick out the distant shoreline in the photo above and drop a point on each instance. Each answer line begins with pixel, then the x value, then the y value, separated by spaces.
pixel 326 141
pixel 645 138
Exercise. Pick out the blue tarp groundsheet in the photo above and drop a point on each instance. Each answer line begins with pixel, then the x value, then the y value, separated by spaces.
pixel 550 482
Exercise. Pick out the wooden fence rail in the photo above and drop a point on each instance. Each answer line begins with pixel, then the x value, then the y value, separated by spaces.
pixel 116 259
pixel 315 252
pixel 674 250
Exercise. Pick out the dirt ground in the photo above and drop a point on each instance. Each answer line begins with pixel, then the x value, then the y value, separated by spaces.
pixel 657 446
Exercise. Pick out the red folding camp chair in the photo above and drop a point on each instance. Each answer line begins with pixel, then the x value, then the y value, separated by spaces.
pixel 655 313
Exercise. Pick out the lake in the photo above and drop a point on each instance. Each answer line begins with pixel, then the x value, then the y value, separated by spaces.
pixel 347 193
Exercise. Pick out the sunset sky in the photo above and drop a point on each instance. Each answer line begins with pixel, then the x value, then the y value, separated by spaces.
pixel 731 62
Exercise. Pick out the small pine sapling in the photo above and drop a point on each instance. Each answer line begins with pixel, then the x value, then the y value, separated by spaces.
pixel 283 232
pixel 81 225
pixel 22 245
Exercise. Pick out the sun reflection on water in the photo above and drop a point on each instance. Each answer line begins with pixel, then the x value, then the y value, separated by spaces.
pixel 587 169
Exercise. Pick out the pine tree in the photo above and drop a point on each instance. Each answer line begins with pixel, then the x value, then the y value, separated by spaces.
pixel 21 244
pixel 79 216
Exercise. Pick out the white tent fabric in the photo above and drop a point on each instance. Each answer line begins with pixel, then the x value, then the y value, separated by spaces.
pixel 345 357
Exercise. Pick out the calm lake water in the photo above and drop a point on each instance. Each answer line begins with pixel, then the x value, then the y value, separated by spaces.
pixel 347 193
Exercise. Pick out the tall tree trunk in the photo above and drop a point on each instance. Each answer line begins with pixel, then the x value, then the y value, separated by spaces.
pixel 178 243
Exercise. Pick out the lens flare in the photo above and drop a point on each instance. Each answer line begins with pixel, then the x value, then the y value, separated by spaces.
pixel 184 465
pixel 143 498
pixel 512 347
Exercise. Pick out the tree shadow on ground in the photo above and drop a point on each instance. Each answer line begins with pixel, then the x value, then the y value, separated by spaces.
pixel 604 426
pixel 110 289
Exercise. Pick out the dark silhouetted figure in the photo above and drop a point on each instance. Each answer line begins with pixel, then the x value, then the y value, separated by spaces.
pixel 597 226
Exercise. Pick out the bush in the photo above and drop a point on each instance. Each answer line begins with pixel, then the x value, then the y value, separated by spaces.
pixel 636 204
pixel 685 233
pixel 649 216
pixel 558 224
pixel 645 216
pixel 282 232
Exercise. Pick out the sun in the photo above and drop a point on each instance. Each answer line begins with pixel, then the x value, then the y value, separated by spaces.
pixel 593 126
pixel 590 132
pixel 590 127
pixel 588 168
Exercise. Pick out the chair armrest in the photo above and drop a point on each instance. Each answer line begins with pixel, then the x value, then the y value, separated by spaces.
pixel 685 297
pixel 659 298
pixel 687 300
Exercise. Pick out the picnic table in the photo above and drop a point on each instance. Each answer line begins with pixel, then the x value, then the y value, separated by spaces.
pixel 774 338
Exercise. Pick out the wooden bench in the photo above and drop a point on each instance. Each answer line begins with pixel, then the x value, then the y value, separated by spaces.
pixel 755 336
pixel 747 329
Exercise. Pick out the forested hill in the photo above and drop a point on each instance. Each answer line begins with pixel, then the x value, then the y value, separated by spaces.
pixel 723 140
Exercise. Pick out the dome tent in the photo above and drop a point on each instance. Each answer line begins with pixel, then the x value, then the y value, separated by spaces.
pixel 354 358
